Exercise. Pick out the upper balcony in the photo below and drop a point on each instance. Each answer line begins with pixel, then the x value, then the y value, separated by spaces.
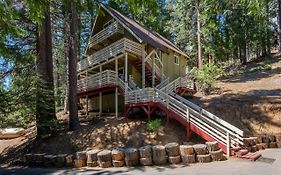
pixel 119 47
pixel 106 33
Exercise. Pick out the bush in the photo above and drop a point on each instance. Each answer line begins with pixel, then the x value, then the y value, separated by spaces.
pixel 154 125
pixel 207 77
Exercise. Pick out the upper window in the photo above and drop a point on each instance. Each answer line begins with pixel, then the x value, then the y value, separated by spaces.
pixel 176 60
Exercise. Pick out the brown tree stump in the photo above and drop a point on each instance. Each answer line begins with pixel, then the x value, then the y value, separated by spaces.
pixel 265 139
pixel 79 163
pixel 146 161
pixel 260 146
pixel 200 149
pixel 159 160
pixel 254 148
pixel 174 160
pixel 212 146
pixel 49 160
pixel 187 159
pixel 172 149
pixel 60 160
pixel 92 155
pixel 272 145
pixel 131 154
pixel 118 154
pixel 92 164
pixel 104 156
pixel 38 159
pixel 278 138
pixel 106 164
pixel 145 151
pixel 272 138
pixel 118 163
pixel 217 155
pixel 278 144
pixel 186 150
pixel 69 160
pixel 203 158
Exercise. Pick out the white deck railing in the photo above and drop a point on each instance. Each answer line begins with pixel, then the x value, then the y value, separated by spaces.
pixel 119 47
pixel 110 30
pixel 185 82
pixel 140 95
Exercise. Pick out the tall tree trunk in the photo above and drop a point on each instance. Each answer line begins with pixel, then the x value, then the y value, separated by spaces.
pixel 45 105
pixel 268 44
pixel 73 99
pixel 200 62
pixel 279 25
pixel 66 55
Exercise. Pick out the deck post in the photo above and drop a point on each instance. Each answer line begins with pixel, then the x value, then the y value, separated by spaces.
pixel 143 67
pixel 126 72
pixel 153 71
pixel 116 89
pixel 100 95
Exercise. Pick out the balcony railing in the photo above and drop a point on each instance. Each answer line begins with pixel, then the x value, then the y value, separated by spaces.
pixel 109 52
pixel 110 30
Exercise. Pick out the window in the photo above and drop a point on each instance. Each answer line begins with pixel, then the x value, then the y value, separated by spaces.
pixel 176 60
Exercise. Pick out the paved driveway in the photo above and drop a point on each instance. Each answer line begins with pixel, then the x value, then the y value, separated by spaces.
pixel 270 165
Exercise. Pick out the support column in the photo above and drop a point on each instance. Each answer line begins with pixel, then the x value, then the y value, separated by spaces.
pixel 153 71
pixel 116 89
pixel 126 72
pixel 143 67
pixel 100 95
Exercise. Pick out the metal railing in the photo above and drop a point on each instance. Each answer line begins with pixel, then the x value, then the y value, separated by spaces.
pixel 110 30
pixel 119 47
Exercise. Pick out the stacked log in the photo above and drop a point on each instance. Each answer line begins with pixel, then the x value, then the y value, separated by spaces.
pixel 214 150
pixel 187 154
pixel 104 158
pixel 201 152
pixel 118 157
pixel 92 158
pixel 173 153
pixel 159 155
pixel 81 159
pixel 131 157
pixel 69 160
pixel 145 155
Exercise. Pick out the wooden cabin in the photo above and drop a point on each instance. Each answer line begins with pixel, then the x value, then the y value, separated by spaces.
pixel 124 54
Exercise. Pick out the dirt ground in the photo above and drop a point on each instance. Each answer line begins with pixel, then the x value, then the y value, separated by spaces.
pixel 250 101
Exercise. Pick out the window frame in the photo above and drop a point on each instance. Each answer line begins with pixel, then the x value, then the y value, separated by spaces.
pixel 176 60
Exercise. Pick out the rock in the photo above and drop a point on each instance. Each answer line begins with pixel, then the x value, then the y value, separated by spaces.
pixel 212 146
pixel 69 160
pixel 200 149
pixel 131 154
pixel 106 164
pixel 174 160
pixel 217 155
pixel 159 160
pixel 272 145
pixel 145 151
pixel 272 138
pixel 130 162
pixel 203 158
pixel 159 151
pixel 187 159
pixel 82 155
pixel 79 163
pixel 92 164
pixel 186 150
pixel 104 156
pixel 172 149
pixel 146 161
pixel 118 154
pixel 92 155
pixel 118 163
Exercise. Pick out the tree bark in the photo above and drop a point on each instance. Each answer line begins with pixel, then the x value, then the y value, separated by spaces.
pixel 279 25
pixel 45 105
pixel 66 55
pixel 73 99
pixel 200 61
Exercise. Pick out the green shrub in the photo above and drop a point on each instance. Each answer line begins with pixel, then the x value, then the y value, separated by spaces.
pixel 154 125
pixel 207 77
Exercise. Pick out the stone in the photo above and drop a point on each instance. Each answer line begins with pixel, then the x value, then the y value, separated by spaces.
pixel 200 149
pixel 187 159
pixel 217 155
pixel 203 158
pixel 172 149
pixel 174 160
pixel 146 161
pixel 118 154
pixel 186 150
pixel 212 146
pixel 145 151
pixel 118 163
